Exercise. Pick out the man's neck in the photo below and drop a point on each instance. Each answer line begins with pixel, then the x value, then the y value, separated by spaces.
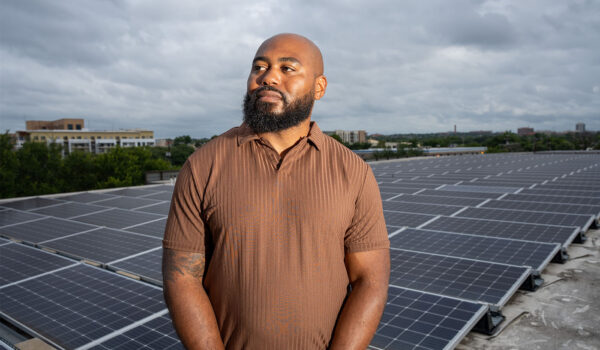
pixel 282 140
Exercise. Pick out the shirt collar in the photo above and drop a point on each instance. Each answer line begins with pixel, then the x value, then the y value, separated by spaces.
pixel 246 134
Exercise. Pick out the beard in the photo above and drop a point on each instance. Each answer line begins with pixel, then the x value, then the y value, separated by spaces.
pixel 258 115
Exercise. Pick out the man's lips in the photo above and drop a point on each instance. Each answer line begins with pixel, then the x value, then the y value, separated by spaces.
pixel 269 96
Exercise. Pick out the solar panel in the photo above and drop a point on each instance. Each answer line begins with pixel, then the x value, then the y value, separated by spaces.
pixel 560 186
pixel 18 262
pixel 474 188
pixel 474 280
pixel 553 199
pixel 420 198
pixel 397 189
pixel 154 228
pixel 160 208
pixel 388 195
pixel 422 208
pixel 4 241
pixel 31 203
pixel 69 210
pixel 581 221
pixel 87 197
pixel 545 207
pixel 156 334
pixel 44 229
pixel 448 193
pixel 167 188
pixel 118 218
pixel 147 265
pixel 103 245
pixel 551 192
pixel 75 306
pixel 11 217
pixel 162 196
pixel 418 320
pixel 133 192
pixel 491 228
pixel 399 219
pixel 500 250
pixel 127 202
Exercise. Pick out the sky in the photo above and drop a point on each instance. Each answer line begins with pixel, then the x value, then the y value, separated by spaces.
pixel 180 68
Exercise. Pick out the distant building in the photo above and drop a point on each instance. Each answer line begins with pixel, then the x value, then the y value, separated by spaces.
pixel 580 127
pixel 525 131
pixel 352 136
pixel 71 135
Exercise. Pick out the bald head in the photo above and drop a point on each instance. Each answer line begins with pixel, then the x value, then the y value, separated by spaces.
pixel 299 46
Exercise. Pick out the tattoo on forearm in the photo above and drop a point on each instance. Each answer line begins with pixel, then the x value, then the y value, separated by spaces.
pixel 182 263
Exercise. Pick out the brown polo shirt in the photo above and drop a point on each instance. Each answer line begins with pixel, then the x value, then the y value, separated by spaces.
pixel 275 232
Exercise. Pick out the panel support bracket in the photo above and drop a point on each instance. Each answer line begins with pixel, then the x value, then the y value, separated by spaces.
pixel 490 321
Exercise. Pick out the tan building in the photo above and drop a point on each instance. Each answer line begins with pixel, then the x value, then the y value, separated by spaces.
pixel 84 140
pixel 352 136
pixel 60 124
pixel 525 131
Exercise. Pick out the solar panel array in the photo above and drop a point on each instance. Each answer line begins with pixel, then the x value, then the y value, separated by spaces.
pixel 466 233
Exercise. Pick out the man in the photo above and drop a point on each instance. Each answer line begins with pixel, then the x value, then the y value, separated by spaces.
pixel 272 220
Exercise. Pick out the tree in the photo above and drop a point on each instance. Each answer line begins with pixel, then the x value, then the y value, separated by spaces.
pixel 182 140
pixel 9 165
pixel 180 153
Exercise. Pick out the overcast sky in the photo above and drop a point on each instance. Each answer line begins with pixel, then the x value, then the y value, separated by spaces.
pixel 180 67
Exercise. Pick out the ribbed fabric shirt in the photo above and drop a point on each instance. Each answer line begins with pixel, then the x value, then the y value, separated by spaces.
pixel 275 232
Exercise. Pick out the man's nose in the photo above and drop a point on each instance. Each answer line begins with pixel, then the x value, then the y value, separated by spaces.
pixel 270 77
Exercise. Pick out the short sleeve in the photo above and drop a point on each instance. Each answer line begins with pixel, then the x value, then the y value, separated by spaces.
pixel 185 229
pixel 367 231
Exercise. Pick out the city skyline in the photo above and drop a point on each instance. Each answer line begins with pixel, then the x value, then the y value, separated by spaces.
pixel 392 68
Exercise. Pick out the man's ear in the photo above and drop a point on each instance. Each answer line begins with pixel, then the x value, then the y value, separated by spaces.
pixel 320 86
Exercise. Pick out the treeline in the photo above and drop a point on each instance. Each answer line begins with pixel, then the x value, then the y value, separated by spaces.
pixel 37 168
pixel 398 153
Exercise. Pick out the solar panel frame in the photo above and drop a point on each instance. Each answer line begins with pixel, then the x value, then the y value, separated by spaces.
pixel 574 193
pixel 31 203
pixel 118 218
pixel 125 202
pixel 398 189
pixel 69 209
pixel 132 192
pixel 86 197
pixel 410 314
pixel 155 228
pixel 45 229
pixel 162 196
pixel 447 193
pixel 11 217
pixel 147 266
pixel 161 208
pixel 402 219
pixel 552 199
pixel 545 207
pixel 474 188
pixel 443 200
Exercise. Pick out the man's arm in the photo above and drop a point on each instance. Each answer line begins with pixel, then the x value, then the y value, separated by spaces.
pixel 192 313
pixel 369 274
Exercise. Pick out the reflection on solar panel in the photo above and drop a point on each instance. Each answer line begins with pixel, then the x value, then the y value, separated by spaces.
pixel 455 277
pixel 553 199
pixel 154 228
pixel 127 202
pixel 31 203
pixel 18 262
pixel 418 320
pixel 103 245
pixel 448 193
pixel 44 229
pixel 11 217
pixel 156 334
pixel 581 221
pixel 422 208
pixel 472 188
pixel 118 218
pixel 528 232
pixel 80 304
pixel 69 210
pixel 147 266
pixel 545 207
pixel 505 251
pixel 393 218
pixel 160 208
pixel 87 197
pixel 463 202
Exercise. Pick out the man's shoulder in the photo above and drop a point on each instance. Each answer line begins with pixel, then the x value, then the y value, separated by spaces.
pixel 216 147
pixel 338 152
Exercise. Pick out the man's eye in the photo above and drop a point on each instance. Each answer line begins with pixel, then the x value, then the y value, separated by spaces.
pixel 287 69
pixel 258 68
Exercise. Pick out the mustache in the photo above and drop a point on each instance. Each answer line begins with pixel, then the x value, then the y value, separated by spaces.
pixel 268 88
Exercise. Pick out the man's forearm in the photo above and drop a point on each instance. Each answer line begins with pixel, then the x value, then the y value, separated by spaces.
pixel 360 316
pixel 191 311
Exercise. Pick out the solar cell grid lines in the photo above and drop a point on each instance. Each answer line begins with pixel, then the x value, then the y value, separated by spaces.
pixel 31 203
pixel 421 208
pixel 456 277
pixel 118 218
pixel 545 207
pixel 560 186
pixel 423 321
pixel 387 195
pixel 18 262
pixel 69 209
pixel 473 188
pixel 401 219
pixel 581 221
pixel 159 208
pixel 551 192
pixel 11 217
pixel 493 228
pixel 45 229
pixel 154 228
pixel 162 196
pixel 397 189
pixel 124 202
pixel 448 193
pixel 156 334
pixel 86 197
pixel 146 265
pixel 420 198
pixel 77 305
pixel 513 252
pixel 133 192
pixel 552 199
pixel 103 245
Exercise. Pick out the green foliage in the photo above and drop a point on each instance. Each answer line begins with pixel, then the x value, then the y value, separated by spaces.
pixel 9 165
pixel 182 140
pixel 181 152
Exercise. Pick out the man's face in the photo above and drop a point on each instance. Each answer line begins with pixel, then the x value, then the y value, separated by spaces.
pixel 280 87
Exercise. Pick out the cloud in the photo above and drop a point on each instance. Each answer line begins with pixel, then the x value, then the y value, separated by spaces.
pixel 392 67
